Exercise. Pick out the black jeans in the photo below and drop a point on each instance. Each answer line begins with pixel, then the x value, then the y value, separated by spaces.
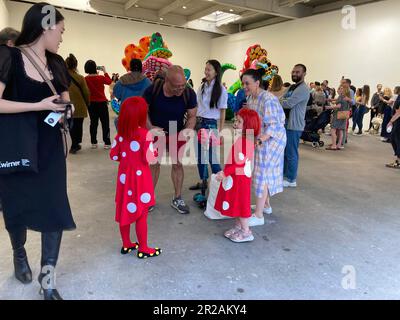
pixel 374 113
pixel 99 110
pixel 76 132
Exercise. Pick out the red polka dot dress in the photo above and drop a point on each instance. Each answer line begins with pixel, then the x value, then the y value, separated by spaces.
pixel 135 189
pixel 234 194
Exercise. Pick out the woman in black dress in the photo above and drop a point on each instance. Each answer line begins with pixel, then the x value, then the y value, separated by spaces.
pixel 36 201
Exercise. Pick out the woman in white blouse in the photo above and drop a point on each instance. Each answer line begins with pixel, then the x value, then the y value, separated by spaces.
pixel 212 99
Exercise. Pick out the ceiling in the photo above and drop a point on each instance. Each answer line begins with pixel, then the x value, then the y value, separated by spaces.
pixel 233 15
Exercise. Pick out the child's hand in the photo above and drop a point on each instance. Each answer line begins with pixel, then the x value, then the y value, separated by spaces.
pixel 220 176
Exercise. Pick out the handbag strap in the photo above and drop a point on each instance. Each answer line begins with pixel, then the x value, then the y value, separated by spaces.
pixel 52 88
pixel 40 70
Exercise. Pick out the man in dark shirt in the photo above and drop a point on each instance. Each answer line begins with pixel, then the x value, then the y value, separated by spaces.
pixel 167 108
pixel 375 102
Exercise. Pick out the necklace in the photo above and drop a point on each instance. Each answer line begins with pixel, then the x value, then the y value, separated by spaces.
pixel 40 59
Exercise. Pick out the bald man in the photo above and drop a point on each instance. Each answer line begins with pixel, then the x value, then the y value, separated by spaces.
pixel 169 100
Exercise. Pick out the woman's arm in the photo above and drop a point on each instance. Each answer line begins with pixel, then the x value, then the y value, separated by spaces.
pixel 334 106
pixel 7 106
pixel 222 119
pixel 395 116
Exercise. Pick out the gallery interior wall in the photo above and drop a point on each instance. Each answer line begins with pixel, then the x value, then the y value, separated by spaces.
pixel 104 39
pixel 368 55
pixel 3 14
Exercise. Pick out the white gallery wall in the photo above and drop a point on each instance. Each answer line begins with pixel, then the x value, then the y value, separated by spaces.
pixel 368 55
pixel 3 14
pixel 104 39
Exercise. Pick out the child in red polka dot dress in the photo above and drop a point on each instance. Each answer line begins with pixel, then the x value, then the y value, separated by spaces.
pixel 234 194
pixel 133 148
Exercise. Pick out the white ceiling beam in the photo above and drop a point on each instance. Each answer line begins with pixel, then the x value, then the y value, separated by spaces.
pixel 115 9
pixel 212 27
pixel 204 12
pixel 270 7
pixel 172 6
pixel 151 16
pixel 291 3
pixel 130 3
pixel 340 4
pixel 263 23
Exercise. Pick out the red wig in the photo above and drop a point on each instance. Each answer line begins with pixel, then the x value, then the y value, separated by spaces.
pixel 133 115
pixel 251 121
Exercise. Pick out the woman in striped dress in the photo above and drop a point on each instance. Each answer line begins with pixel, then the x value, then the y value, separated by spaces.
pixel 269 154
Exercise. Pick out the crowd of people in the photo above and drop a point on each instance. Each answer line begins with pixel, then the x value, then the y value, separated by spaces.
pixel 157 117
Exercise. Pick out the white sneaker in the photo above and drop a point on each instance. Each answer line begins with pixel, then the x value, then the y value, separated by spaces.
pixel 287 184
pixel 255 221
pixel 384 139
pixel 265 210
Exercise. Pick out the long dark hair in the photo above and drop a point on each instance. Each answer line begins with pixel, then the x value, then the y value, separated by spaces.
pixel 217 90
pixel 32 30
pixel 366 91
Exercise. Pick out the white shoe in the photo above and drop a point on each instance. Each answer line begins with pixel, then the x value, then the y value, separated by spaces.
pixel 255 221
pixel 94 146
pixel 287 184
pixel 265 210
pixel 384 139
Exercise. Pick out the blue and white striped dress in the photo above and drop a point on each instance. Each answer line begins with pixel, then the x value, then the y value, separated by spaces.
pixel 269 158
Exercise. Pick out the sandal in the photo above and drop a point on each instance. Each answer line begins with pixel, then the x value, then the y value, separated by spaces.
pixel 130 249
pixel 144 255
pixel 228 234
pixel 242 236
pixel 394 165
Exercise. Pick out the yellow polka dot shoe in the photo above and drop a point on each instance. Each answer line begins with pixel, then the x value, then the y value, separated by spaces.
pixel 130 249
pixel 144 255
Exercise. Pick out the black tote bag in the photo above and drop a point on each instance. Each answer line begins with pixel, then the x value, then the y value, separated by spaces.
pixel 18 135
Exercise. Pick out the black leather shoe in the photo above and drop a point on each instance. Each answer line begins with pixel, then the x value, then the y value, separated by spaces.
pixel 49 293
pixel 21 266
pixel 51 242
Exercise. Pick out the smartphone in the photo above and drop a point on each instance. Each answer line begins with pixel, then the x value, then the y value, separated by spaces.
pixel 57 101
pixel 100 68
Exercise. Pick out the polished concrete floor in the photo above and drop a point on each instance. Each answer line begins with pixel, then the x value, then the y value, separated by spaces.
pixel 336 236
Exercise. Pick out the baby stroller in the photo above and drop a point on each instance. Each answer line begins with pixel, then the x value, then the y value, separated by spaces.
pixel 313 124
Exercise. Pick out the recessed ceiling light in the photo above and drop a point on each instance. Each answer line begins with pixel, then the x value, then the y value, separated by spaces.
pixel 184 7
pixel 161 19
pixel 231 10
pixel 136 6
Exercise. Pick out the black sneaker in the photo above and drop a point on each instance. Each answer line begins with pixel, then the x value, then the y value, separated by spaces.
pixel 180 206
